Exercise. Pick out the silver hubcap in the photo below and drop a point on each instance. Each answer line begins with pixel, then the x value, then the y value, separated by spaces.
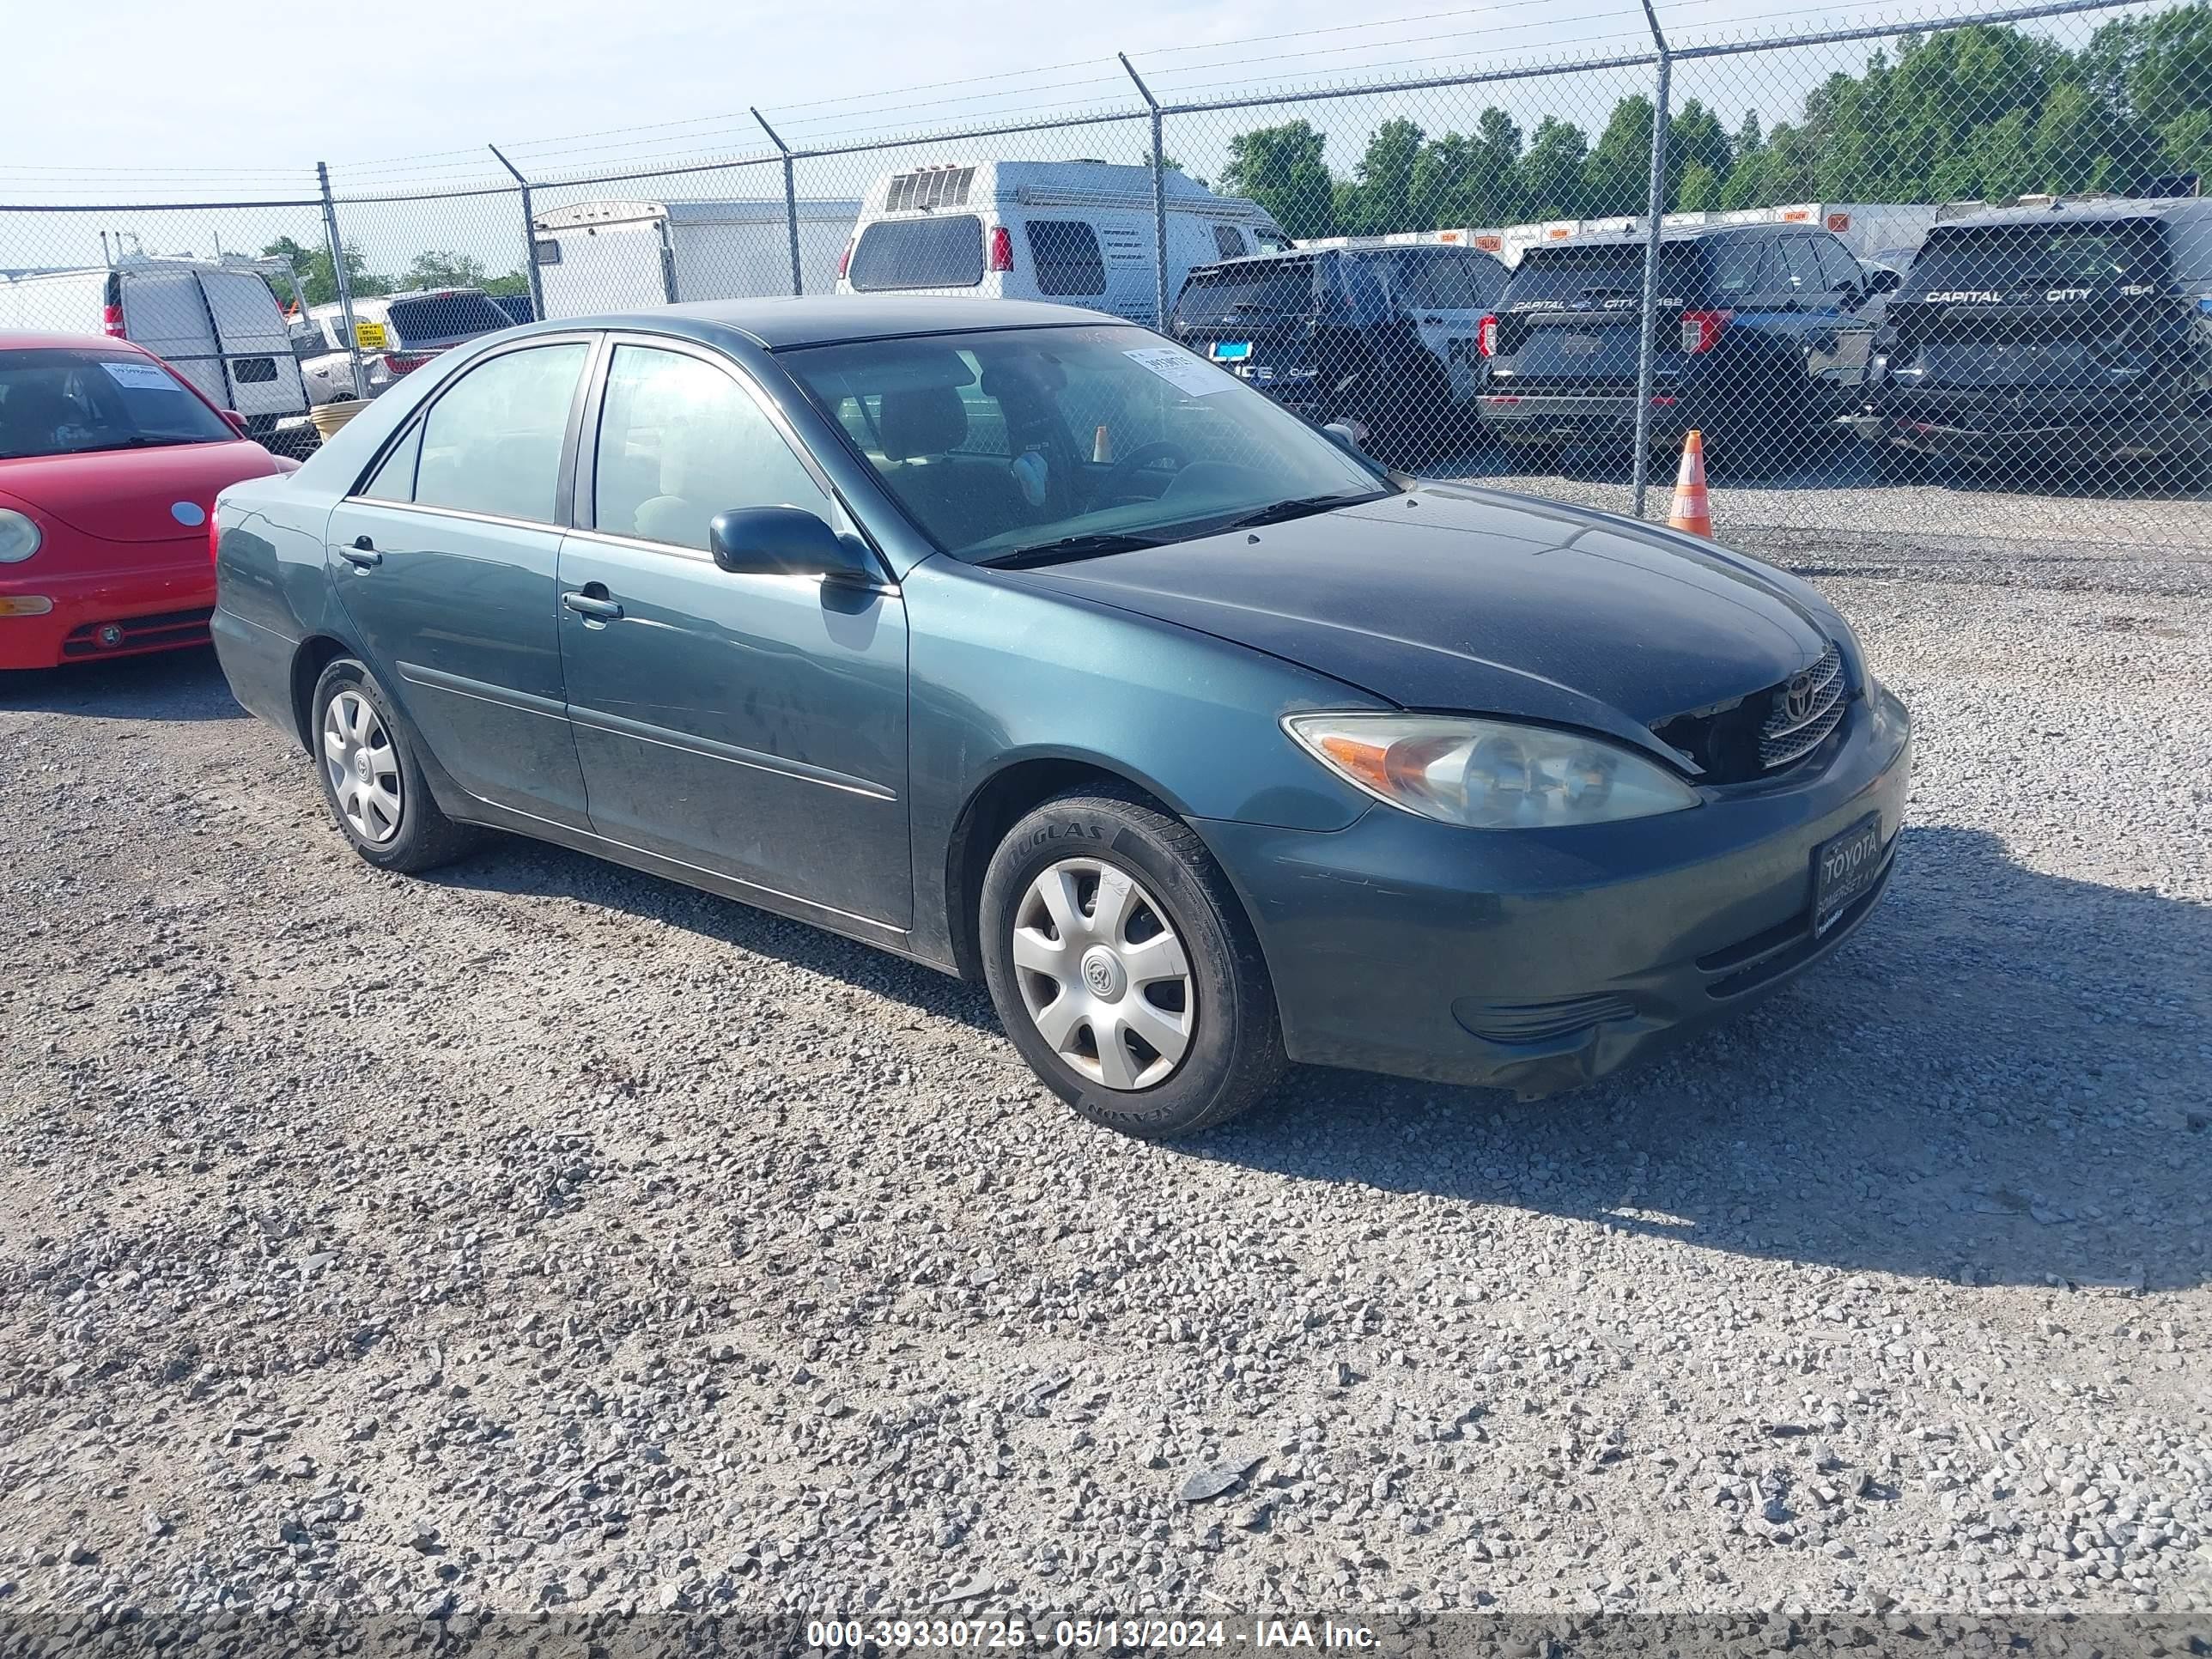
pixel 362 766
pixel 1103 975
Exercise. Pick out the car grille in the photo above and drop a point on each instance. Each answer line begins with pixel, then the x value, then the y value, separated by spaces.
pixel 1802 711
pixel 139 634
pixel 1539 1021
pixel 1760 733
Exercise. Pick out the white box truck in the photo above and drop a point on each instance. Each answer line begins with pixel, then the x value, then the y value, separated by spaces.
pixel 617 255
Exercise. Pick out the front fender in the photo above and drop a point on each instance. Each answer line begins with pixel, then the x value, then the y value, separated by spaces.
pixel 1001 675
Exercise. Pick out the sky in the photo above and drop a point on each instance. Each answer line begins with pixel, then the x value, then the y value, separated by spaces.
pixel 136 100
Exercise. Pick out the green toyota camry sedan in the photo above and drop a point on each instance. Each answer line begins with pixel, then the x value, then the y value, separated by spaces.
pixel 1028 645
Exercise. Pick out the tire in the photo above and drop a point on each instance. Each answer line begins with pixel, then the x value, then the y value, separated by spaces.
pixel 409 835
pixel 1078 849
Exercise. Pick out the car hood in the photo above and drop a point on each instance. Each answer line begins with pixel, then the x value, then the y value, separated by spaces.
pixel 1475 600
pixel 133 494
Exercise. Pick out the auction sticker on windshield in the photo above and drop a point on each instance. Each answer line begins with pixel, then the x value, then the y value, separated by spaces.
pixel 138 376
pixel 1181 370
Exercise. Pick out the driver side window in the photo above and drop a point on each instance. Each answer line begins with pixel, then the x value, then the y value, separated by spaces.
pixel 680 441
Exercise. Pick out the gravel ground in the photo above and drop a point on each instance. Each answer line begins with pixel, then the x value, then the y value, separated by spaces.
pixel 542 1235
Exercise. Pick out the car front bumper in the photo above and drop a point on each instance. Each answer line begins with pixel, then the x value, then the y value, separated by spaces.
pixel 154 607
pixel 1540 961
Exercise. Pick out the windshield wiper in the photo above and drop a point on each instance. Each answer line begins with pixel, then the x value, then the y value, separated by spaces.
pixel 1070 547
pixel 1297 508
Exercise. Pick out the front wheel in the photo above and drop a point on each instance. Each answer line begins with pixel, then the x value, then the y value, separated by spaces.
pixel 1123 968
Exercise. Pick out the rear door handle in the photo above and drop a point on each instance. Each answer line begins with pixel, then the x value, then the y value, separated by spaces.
pixel 598 609
pixel 362 553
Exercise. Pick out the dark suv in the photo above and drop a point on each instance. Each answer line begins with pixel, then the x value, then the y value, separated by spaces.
pixel 2075 330
pixel 1365 335
pixel 1763 332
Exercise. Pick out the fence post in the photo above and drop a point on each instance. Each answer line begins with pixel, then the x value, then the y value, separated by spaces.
pixel 1159 198
pixel 790 200
pixel 529 237
pixel 1654 209
pixel 339 278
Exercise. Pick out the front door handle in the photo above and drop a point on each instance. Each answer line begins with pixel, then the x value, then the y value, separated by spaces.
pixel 586 604
pixel 362 553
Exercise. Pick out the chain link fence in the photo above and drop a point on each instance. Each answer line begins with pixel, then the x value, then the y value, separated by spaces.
pixel 1945 280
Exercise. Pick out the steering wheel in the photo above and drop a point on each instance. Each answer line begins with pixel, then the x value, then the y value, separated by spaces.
pixel 1127 468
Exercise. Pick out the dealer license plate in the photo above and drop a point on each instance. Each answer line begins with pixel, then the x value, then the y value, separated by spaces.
pixel 1844 869
pixel 1229 352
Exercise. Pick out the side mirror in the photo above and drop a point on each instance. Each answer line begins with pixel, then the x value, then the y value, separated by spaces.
pixel 1345 437
pixel 236 421
pixel 1884 280
pixel 786 540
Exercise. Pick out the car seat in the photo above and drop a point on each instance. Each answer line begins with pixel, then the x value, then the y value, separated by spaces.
pixel 961 499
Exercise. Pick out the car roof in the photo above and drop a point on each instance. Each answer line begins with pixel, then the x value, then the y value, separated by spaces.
pixel 2078 212
pixel 16 339
pixel 827 320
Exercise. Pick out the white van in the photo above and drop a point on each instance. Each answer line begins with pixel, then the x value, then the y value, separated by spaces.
pixel 217 325
pixel 1080 232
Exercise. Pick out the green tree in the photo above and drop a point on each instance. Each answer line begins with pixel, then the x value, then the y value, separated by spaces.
pixel 1379 199
pixel 1549 177
pixel 1696 142
pixel 1699 190
pixel 1281 168
pixel 313 267
pixel 1617 179
pixel 442 269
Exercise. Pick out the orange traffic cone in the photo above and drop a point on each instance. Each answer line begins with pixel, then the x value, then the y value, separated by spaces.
pixel 1102 445
pixel 1691 510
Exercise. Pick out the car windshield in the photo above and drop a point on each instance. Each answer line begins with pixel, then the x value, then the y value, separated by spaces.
pixel 1999 259
pixel 1044 443
pixel 64 401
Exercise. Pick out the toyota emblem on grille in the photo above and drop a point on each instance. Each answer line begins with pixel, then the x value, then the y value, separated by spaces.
pixel 1797 695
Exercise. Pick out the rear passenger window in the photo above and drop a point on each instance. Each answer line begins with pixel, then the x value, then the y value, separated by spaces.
pixel 895 253
pixel 1804 266
pixel 1837 265
pixel 1228 242
pixel 1066 254
pixel 1742 268
pixel 492 443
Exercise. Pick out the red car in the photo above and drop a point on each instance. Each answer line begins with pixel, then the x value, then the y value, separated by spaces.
pixel 109 466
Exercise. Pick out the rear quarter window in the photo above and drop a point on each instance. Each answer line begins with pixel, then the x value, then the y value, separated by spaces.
pixel 895 253
pixel 1738 268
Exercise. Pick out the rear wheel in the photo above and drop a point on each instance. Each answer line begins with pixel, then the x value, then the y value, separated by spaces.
pixel 1123 968
pixel 371 781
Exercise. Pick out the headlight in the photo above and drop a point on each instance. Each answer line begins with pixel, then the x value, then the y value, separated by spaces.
pixel 1488 774
pixel 19 538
